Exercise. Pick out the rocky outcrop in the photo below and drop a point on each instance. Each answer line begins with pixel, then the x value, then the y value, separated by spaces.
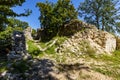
pixel 89 41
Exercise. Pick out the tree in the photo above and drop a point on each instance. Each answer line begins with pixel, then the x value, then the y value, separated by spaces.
pixel 6 24
pixel 6 11
pixel 54 15
pixel 17 23
pixel 102 13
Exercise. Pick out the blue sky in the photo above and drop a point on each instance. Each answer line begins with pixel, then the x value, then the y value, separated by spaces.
pixel 33 18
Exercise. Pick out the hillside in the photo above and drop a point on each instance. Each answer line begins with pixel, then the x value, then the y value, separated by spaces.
pixel 88 54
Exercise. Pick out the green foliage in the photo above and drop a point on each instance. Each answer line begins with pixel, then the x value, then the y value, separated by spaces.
pixel 6 21
pixel 5 34
pixel 53 16
pixel 6 11
pixel 102 13
pixel 118 26
pixel 17 23
pixel 33 49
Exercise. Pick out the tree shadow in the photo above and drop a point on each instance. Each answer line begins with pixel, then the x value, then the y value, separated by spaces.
pixel 76 66
pixel 38 69
pixel 33 69
pixel 69 68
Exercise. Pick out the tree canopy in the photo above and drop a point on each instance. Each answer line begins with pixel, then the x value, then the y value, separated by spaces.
pixel 17 23
pixel 6 11
pixel 54 15
pixel 8 24
pixel 102 13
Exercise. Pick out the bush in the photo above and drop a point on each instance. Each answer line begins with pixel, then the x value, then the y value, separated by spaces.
pixel 54 15
pixel 71 27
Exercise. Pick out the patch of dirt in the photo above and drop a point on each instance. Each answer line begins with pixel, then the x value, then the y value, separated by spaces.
pixel 77 72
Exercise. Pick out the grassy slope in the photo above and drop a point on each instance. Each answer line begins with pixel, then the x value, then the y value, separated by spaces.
pixel 111 66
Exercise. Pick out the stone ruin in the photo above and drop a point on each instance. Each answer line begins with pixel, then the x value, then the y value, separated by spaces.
pixel 18 46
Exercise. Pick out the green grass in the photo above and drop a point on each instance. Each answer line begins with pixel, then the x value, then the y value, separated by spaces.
pixel 112 72
pixel 51 50
pixel 42 44
pixel 33 49
pixel 110 64
pixel 59 41
pixel 111 67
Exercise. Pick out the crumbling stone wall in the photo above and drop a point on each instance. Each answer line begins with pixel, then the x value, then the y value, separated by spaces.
pixel 18 46
pixel 18 42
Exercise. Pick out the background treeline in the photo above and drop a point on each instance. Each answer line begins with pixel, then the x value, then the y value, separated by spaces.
pixel 102 13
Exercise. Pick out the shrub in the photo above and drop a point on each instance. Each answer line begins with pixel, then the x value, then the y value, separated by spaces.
pixel 53 16
pixel 71 27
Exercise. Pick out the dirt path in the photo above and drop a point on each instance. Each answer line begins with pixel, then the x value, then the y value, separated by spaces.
pixel 43 49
